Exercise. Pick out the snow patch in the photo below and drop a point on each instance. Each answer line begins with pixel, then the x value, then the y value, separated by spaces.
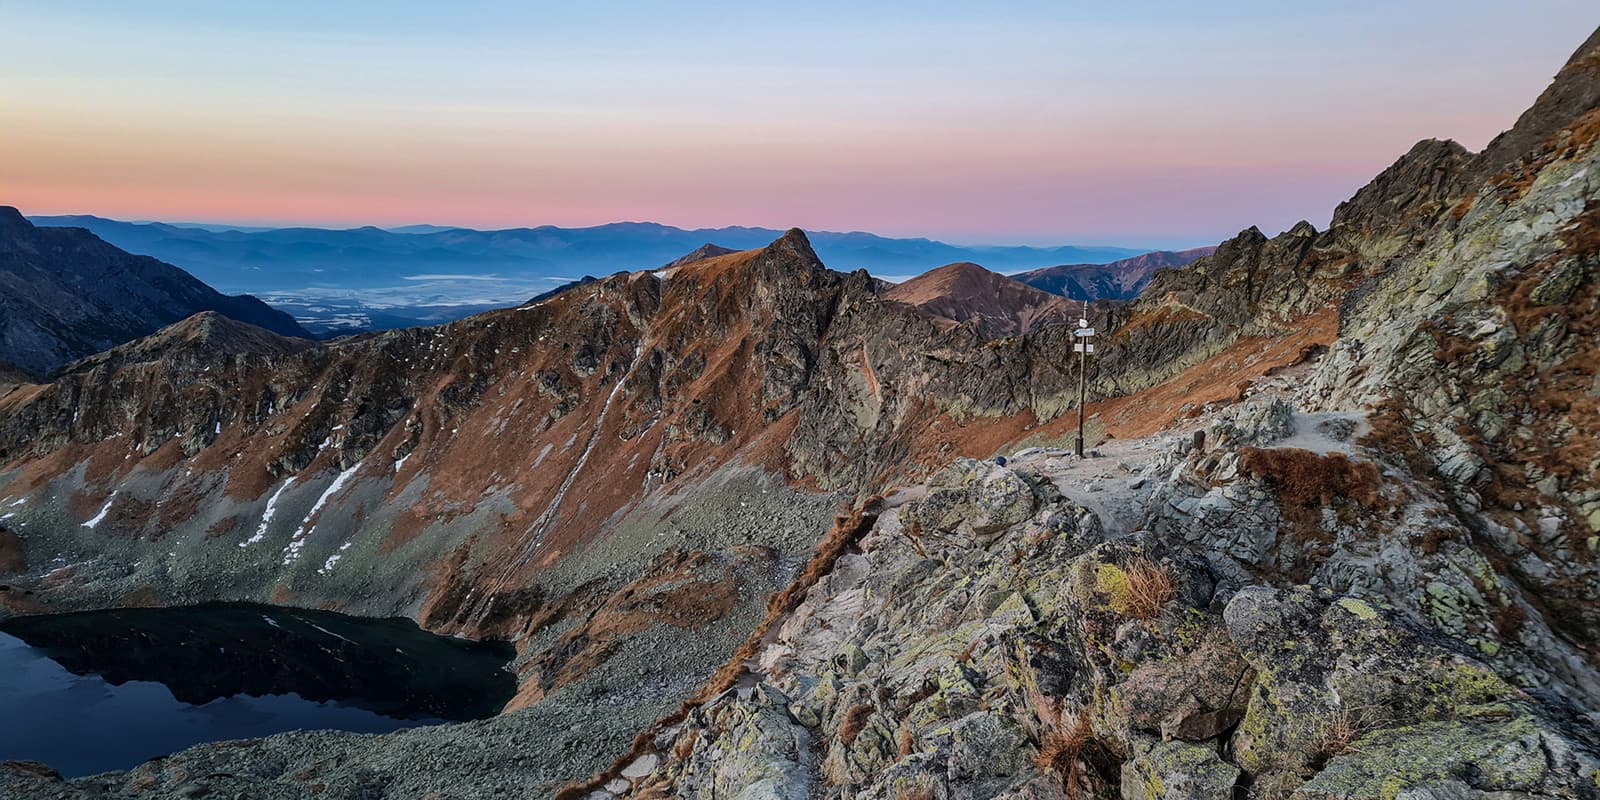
pixel 327 566
pixel 266 516
pixel 104 510
pixel 291 553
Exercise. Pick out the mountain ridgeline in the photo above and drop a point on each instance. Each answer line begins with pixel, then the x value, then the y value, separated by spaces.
pixel 1373 576
pixel 1123 279
pixel 350 281
pixel 66 294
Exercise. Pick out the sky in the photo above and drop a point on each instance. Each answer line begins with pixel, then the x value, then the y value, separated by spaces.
pixel 1148 124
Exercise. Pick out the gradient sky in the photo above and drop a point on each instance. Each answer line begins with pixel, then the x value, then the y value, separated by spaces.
pixel 1153 123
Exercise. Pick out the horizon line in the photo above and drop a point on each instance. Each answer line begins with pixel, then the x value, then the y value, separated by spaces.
pixel 249 227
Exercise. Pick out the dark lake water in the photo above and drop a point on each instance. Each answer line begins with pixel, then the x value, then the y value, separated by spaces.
pixel 106 690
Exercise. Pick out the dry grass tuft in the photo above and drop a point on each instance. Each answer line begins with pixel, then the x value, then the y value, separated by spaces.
pixel 905 743
pixel 1340 733
pixel 1150 589
pixel 1069 748
pixel 855 720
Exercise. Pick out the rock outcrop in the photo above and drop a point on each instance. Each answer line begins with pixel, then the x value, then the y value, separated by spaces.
pixel 990 638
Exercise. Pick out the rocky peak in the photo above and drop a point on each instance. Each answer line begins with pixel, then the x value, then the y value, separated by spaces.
pixel 1574 93
pixel 701 253
pixel 995 305
pixel 206 336
pixel 65 293
pixel 1409 195
pixel 1118 280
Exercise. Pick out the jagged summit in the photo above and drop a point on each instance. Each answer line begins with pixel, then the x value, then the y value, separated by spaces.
pixel 1574 93
pixel 995 304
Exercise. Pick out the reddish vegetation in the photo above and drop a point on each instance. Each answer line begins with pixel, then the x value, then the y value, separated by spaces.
pixel 1150 589
pixel 1069 748
pixel 1169 313
pixel 222 527
pixel 1306 482
pixel 855 720
pixel 1215 380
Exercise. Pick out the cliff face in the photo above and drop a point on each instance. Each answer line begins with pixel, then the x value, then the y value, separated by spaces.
pixel 65 294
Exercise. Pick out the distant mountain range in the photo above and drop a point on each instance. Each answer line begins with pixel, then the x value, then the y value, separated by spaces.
pixel 373 278
pixel 66 294
pixel 1118 280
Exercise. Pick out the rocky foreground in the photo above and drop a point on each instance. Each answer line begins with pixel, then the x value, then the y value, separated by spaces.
pixel 992 637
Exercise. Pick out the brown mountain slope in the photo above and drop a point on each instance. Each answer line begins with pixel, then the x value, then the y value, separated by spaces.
pixel 996 305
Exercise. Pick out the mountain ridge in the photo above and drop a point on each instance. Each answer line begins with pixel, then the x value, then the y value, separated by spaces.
pixel 1123 279
pixel 997 305
pixel 69 294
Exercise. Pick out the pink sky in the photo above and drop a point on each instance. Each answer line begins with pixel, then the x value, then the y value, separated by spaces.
pixel 1039 125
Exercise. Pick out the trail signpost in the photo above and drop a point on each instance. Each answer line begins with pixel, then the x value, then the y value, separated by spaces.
pixel 1083 346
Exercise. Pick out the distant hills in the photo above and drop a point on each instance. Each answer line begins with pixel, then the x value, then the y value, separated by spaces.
pixel 373 278
pixel 1118 280
pixel 66 294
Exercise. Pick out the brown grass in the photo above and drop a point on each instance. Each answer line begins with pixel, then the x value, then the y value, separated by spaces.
pixel 1508 621
pixel 1307 482
pixel 1150 589
pixel 684 747
pixel 1069 747
pixel 905 743
pixel 855 720
pixel 1339 734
